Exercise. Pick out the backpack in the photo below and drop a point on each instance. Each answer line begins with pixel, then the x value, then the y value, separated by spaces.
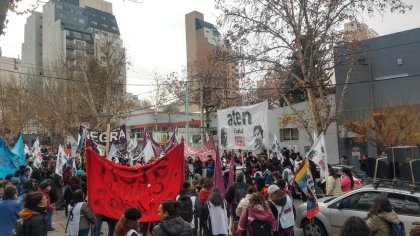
pixel 398 229
pixel 19 228
pixel 258 227
pixel 240 192
pixel 185 209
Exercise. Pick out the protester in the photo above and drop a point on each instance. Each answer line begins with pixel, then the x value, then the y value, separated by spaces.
pixel 9 210
pixel 45 188
pixel 198 166
pixel 381 216
pixel 347 182
pixel 210 163
pixel 170 223
pixel 129 225
pixel 258 214
pixel 354 226
pixel 215 215
pixel 25 175
pixel 333 184
pixel 34 215
pixel 363 162
pixel 80 217
pixel 234 195
pixel 98 226
pixel 189 169
pixel 28 187
pixel 188 199
pixel 72 186
pixel 204 196
pixel 243 204
pixel 2 186
pixel 344 160
pixel 281 206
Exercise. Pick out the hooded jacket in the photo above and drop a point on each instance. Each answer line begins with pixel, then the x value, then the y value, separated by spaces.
pixel 256 212
pixel 175 226
pixel 34 221
pixel 380 224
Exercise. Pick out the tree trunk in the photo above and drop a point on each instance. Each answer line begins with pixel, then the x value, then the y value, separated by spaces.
pixel 316 118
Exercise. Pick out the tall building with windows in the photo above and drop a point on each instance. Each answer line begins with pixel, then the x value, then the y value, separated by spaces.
pixel 68 32
pixel 204 43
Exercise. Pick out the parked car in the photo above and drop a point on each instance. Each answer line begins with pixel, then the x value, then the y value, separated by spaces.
pixel 334 211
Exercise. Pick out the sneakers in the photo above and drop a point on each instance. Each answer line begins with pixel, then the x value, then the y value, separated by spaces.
pixel 51 229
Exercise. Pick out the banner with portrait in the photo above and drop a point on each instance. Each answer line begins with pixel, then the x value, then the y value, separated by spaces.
pixel 243 127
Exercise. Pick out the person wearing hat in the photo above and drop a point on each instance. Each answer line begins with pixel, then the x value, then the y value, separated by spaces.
pixel 45 188
pixel 281 206
pixel 81 217
pixel 129 225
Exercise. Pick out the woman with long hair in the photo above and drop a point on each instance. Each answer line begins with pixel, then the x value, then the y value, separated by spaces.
pixel 129 225
pixel 204 196
pixel 258 210
pixel 170 222
pixel 80 216
pixel 34 215
pixel 333 184
pixel 381 216
pixel 215 214
pixel 347 182
pixel 354 226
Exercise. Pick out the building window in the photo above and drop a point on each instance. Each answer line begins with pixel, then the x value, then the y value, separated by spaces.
pixel 59 7
pixel 289 134
pixel 77 35
pixel 104 25
pixel 87 37
pixel 81 21
pixel 67 32
pixel 94 23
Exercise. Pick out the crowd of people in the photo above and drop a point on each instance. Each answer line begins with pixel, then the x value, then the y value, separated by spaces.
pixel 258 202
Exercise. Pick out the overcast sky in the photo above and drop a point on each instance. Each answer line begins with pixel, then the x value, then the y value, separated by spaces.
pixel 154 34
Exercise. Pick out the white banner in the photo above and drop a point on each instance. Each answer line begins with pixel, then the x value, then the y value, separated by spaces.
pixel 318 154
pixel 243 127
pixel 275 148
pixel 61 161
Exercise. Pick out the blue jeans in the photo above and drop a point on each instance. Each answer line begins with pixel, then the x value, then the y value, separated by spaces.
pixel 98 226
pixel 49 218
pixel 84 232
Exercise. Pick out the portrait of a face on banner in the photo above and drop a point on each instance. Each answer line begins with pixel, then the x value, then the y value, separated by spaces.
pixel 243 127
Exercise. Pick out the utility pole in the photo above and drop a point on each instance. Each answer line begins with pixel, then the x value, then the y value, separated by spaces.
pixel 202 113
pixel 187 135
pixel 156 102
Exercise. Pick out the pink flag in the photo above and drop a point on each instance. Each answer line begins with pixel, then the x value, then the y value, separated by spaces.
pixel 231 169
pixel 218 174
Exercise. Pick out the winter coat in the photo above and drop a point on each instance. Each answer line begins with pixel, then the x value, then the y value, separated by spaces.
pixel 333 186
pixel 380 224
pixel 9 210
pixel 243 204
pixel 345 184
pixel 34 221
pixel 256 212
pixel 175 226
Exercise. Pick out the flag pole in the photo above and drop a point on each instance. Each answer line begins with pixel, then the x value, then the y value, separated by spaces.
pixel 108 131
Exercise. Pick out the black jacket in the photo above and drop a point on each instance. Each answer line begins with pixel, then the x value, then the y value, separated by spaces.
pixel 37 225
pixel 176 227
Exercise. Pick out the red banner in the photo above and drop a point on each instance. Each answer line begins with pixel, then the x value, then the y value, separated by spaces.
pixel 112 188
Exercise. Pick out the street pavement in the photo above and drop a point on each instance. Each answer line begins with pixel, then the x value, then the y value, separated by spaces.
pixel 60 220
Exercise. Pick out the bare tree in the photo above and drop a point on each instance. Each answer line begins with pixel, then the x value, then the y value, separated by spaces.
pixel 270 32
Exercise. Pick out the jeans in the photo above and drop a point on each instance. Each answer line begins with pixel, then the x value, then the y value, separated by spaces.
pixel 49 218
pixel 84 232
pixel 98 226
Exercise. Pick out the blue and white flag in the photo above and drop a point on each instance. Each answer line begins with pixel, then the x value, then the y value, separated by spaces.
pixel 19 149
pixel 9 162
